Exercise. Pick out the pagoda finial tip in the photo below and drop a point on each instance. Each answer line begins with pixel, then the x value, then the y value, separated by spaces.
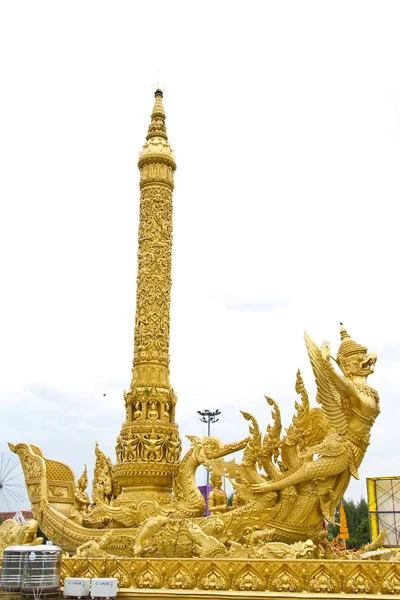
pixel 157 125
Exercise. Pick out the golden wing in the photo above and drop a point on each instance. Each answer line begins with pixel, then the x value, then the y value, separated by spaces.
pixel 328 394
pixel 318 427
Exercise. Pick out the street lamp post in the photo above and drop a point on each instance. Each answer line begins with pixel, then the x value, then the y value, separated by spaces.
pixel 208 416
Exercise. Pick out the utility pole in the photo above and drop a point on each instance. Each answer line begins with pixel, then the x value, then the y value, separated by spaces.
pixel 208 416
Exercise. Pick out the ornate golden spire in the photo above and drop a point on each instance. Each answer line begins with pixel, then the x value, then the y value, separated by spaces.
pixel 148 447
pixel 157 166
pixel 157 126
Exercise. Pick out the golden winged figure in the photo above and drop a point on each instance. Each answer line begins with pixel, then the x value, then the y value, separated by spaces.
pixel 350 407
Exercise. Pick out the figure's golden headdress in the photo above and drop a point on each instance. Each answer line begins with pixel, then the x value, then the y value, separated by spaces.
pixel 348 346
pixel 215 476
pixel 83 479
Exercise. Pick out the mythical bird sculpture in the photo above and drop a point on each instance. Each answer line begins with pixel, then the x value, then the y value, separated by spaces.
pixel 350 407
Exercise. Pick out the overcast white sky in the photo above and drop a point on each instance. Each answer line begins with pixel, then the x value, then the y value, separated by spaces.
pixel 285 121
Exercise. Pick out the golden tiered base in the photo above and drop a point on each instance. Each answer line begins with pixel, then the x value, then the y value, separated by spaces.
pixel 240 578
pixel 231 595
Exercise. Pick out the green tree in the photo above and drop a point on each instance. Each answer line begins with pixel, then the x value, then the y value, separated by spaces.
pixel 362 533
pixel 362 508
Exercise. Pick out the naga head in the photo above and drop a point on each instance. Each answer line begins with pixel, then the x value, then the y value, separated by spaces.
pixel 30 531
pixel 106 539
pixel 205 448
pixel 353 359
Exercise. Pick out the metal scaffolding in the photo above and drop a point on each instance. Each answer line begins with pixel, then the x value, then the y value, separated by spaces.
pixel 384 508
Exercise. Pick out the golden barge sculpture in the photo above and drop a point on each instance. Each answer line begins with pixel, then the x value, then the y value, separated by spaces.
pixel 146 506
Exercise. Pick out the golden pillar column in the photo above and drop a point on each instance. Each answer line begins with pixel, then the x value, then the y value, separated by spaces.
pixel 148 448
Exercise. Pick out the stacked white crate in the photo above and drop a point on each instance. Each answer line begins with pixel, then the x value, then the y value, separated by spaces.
pixel 104 587
pixel 76 587
pixel 98 587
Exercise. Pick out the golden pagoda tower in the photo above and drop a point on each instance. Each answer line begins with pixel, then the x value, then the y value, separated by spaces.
pixel 148 448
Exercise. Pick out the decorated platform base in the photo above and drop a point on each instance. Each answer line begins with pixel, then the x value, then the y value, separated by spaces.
pixel 225 578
